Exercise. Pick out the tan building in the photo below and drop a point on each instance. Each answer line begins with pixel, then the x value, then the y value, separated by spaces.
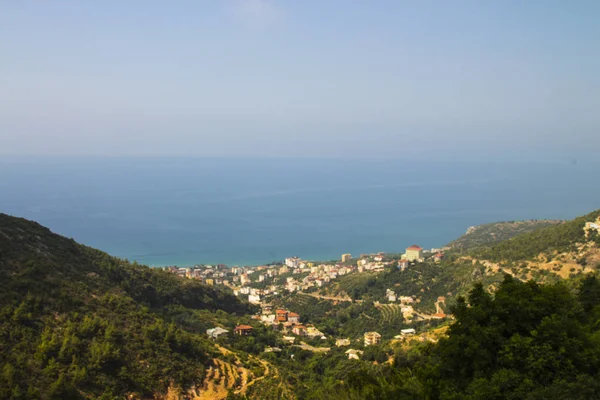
pixel 372 338
pixel 346 257
pixel 299 330
pixel 245 279
pixel 414 253
pixel 342 342
pixel 284 270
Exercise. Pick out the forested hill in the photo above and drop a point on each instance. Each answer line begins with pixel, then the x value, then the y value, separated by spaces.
pixel 78 323
pixel 488 234
pixel 561 251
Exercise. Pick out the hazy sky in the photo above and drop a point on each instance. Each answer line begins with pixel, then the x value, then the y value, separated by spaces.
pixel 349 78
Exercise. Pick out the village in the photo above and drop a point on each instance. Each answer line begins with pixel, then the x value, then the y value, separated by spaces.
pixel 259 285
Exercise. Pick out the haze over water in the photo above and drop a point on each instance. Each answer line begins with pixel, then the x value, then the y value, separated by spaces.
pixel 163 211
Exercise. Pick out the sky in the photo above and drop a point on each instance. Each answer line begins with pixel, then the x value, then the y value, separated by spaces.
pixel 313 78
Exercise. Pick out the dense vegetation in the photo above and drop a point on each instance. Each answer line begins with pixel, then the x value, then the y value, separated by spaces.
pixel 559 238
pixel 527 341
pixel 495 232
pixel 346 319
pixel 77 323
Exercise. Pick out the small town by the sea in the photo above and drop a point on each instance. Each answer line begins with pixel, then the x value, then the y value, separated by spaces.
pixel 261 284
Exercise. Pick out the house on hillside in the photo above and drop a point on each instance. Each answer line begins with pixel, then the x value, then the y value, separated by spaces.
pixel 354 354
pixel 592 226
pixel 372 338
pixel 267 309
pixel 293 318
pixel 243 330
pixel 342 342
pixel 408 332
pixel 289 339
pixel 282 315
pixel 313 332
pixel 254 298
pixel 299 330
pixel 214 333
pixel 403 264
pixel 391 295
pixel 245 280
pixel 414 253
pixel 437 257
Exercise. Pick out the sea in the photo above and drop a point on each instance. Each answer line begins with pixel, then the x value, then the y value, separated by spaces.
pixel 245 211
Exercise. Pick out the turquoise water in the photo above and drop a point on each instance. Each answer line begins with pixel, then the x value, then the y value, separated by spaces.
pixel 162 211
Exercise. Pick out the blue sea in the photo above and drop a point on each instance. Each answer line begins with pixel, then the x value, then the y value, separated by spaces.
pixel 185 211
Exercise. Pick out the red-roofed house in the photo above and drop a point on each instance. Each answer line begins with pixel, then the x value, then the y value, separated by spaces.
pixel 282 315
pixel 243 330
pixel 294 318
pixel 403 264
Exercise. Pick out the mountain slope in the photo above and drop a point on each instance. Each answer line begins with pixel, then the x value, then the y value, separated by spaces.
pixel 77 323
pixel 545 255
pixel 488 234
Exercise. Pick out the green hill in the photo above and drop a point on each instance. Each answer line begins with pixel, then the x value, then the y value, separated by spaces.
pixel 550 240
pixel 487 234
pixel 78 323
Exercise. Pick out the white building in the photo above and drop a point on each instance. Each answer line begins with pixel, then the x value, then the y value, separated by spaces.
pixel 292 262
pixel 254 298
pixel 214 333
pixel 354 354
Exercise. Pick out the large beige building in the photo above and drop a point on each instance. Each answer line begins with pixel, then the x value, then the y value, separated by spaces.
pixel 413 253
pixel 372 338
pixel 346 257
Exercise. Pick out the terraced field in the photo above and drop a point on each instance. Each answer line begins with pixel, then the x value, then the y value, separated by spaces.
pixel 223 376
pixel 390 312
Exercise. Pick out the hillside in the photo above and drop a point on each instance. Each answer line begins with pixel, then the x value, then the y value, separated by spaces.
pixel 558 251
pixel 77 323
pixel 551 240
pixel 488 234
